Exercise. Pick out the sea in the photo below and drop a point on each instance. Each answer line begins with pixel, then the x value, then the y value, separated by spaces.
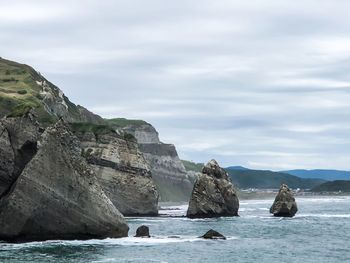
pixel 320 232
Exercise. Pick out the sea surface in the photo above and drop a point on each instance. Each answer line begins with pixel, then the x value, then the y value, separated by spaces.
pixel 320 232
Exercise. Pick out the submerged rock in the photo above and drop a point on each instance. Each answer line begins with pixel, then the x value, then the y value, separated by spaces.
pixel 284 204
pixel 57 196
pixel 213 194
pixel 212 234
pixel 142 231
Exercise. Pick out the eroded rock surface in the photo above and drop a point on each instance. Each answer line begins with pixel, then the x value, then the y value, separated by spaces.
pixel 284 204
pixel 212 234
pixel 142 231
pixel 57 196
pixel 213 194
pixel 122 172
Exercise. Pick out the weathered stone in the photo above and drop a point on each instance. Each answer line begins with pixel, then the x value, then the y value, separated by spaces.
pixel 284 204
pixel 213 194
pixel 18 144
pixel 212 234
pixel 57 196
pixel 142 231
pixel 122 172
pixel 169 174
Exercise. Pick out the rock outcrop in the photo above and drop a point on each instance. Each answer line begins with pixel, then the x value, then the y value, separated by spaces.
pixel 212 234
pixel 18 144
pixel 284 204
pixel 142 231
pixel 57 196
pixel 122 172
pixel 169 173
pixel 213 194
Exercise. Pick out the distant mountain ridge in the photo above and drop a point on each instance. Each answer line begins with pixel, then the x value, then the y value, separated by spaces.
pixel 245 178
pixel 334 186
pixel 328 175
pixel 264 179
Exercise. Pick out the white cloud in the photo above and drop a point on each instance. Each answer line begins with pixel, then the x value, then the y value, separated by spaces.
pixel 257 83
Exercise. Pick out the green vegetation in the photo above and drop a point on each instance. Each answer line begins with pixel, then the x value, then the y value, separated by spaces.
pixel 19 90
pixel 122 122
pixel 334 186
pixel 192 166
pixel 85 127
pixel 269 180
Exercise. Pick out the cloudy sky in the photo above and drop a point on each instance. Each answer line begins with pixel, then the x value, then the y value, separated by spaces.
pixel 263 84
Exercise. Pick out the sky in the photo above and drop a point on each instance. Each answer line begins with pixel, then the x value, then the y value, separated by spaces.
pixel 262 84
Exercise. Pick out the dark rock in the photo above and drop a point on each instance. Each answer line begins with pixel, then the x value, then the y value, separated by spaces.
pixel 57 196
pixel 142 231
pixel 284 204
pixel 18 145
pixel 212 234
pixel 213 194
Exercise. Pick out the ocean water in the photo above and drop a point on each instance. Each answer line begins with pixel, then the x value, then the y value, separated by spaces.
pixel 320 232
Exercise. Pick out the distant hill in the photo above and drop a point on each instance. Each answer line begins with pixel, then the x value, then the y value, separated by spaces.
pixel 268 179
pixel 239 168
pixel 328 175
pixel 334 186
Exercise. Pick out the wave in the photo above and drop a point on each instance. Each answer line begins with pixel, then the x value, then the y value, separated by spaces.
pixel 127 241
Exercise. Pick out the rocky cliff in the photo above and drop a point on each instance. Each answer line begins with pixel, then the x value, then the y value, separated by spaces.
pixel 122 171
pixel 169 173
pixel 52 192
pixel 22 89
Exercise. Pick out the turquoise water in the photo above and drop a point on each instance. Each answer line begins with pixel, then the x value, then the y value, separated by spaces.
pixel 319 233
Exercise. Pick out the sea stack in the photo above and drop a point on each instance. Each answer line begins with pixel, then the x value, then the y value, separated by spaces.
pixel 284 204
pixel 213 194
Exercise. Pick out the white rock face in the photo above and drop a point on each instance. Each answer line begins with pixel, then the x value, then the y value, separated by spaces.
pixel 168 171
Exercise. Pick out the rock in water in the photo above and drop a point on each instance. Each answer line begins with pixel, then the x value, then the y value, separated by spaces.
pixel 284 204
pixel 212 234
pixel 213 194
pixel 57 196
pixel 142 231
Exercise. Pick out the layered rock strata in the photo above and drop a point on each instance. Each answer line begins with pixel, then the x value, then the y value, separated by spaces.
pixel 122 172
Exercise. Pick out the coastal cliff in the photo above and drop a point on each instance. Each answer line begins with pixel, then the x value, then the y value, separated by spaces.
pixel 169 174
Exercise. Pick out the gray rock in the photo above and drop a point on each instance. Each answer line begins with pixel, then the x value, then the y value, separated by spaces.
pixel 169 174
pixel 57 196
pixel 142 231
pixel 212 234
pixel 213 194
pixel 284 204
pixel 18 144
pixel 122 172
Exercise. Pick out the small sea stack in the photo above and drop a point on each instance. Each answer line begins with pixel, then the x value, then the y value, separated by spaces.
pixel 213 194
pixel 284 204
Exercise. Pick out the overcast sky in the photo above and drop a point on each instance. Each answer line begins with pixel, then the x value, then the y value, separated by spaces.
pixel 263 84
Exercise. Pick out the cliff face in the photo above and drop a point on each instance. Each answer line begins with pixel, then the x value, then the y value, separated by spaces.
pixel 55 194
pixel 122 172
pixel 169 173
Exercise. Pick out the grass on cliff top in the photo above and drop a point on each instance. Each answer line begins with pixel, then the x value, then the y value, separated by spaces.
pixel 191 166
pixel 85 127
pixel 122 122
